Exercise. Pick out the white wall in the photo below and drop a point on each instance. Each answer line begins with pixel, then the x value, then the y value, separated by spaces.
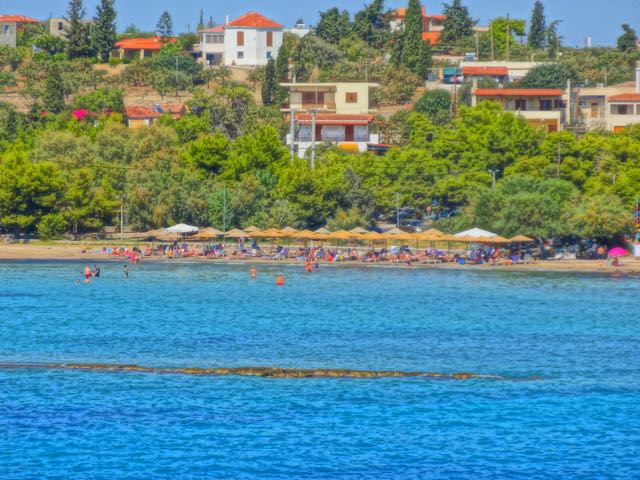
pixel 255 46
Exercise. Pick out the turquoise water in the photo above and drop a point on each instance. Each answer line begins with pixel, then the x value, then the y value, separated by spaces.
pixel 579 333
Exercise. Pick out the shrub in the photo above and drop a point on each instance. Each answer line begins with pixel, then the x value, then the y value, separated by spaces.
pixel 52 226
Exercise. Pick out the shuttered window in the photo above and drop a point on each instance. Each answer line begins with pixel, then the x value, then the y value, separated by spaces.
pixel 240 39
pixel 269 39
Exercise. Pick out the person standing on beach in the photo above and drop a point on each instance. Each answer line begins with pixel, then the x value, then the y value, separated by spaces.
pixel 126 272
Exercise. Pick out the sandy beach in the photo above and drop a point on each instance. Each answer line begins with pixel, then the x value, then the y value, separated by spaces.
pixel 92 253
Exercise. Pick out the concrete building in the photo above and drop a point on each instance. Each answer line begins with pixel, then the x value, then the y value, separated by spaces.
pixel 58 27
pixel 515 70
pixel 623 110
pixel 10 27
pixel 139 48
pixel 499 74
pixel 250 40
pixel 339 113
pixel 541 107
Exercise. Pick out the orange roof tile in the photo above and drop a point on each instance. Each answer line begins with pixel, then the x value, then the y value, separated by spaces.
pixel 254 20
pixel 173 107
pixel 153 43
pixel 625 97
pixel 489 71
pixel 335 119
pixel 518 92
pixel 431 37
pixel 137 111
pixel 18 19
pixel 401 12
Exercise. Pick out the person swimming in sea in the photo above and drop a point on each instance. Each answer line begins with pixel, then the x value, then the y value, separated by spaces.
pixel 126 271
pixel 96 271
pixel 87 274
pixel 253 272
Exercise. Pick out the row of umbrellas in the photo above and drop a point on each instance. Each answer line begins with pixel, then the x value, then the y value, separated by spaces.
pixel 321 234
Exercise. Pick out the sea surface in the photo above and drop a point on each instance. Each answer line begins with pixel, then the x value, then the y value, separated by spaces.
pixel 567 345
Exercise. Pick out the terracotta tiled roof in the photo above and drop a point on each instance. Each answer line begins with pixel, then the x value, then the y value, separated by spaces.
pixel 401 12
pixel 625 97
pixel 335 119
pixel 489 71
pixel 518 92
pixel 254 20
pixel 431 37
pixel 18 19
pixel 137 111
pixel 440 18
pixel 218 29
pixel 153 43
pixel 173 107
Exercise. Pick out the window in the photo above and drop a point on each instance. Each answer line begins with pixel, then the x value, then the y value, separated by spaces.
pixel 546 105
pixel 269 55
pixel 312 98
pixel 60 26
pixel 558 104
pixel 521 104
pixel 7 29
pixel 240 55
pixel 240 39
pixel 269 39
pixel 622 109
pixel 352 97
pixel 214 38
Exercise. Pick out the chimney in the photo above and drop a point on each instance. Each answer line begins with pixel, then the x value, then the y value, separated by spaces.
pixel 637 77
pixel 226 19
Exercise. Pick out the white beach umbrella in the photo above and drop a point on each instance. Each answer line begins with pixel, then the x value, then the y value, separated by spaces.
pixel 476 232
pixel 182 228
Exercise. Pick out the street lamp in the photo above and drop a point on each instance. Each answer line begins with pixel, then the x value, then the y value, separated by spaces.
pixel 493 174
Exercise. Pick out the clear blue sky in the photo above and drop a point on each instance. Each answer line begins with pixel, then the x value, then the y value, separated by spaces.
pixel 598 18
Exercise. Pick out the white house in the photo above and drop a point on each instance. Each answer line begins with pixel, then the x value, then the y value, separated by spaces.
pixel 250 40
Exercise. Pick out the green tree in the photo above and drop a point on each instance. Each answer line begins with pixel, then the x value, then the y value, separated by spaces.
pixel 436 104
pixel 77 32
pixel 201 24
pixel 10 57
pixel 164 28
pixel 426 61
pixel 104 29
pixel 458 23
pixel 53 94
pixel 52 226
pixel 602 218
pixel 538 29
pixel 628 41
pixel 333 25
pixel 412 44
pixel 101 100
pixel 371 24
pixel 50 44
pixel 551 75
pixel 270 84
pixel 554 39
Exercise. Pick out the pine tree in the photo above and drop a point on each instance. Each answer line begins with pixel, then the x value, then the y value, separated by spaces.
pixel 333 25
pixel 77 33
pixel 104 29
pixel 538 30
pixel 458 23
pixel 425 61
pixel 211 23
pixel 270 83
pixel 412 38
pixel 164 28
pixel 628 41
pixel 371 24
pixel 201 21
pixel 53 95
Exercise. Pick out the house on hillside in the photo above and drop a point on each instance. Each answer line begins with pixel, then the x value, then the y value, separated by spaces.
pixel 140 116
pixel 339 113
pixel 139 48
pixel 10 27
pixel 541 107
pixel 250 40
pixel 499 74
pixel 515 70
pixel 623 110
pixel 58 27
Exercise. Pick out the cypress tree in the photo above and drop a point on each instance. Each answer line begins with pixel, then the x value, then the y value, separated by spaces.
pixel 538 30
pixel 53 95
pixel 412 41
pixel 77 33
pixel 270 83
pixel 458 23
pixel 104 29
pixel 201 21
pixel 164 28
pixel 425 62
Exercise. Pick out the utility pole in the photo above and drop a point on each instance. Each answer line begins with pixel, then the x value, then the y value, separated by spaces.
pixel 366 69
pixel 558 162
pixel 224 209
pixel 122 217
pixel 397 210
pixel 493 174
pixel 292 145
pixel 313 138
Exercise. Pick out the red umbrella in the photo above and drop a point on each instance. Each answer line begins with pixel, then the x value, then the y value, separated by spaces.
pixel 618 252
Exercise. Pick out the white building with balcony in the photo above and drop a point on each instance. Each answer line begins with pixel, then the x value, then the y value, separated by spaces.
pixel 250 40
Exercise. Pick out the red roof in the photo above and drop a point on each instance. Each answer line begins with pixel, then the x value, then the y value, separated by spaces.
pixel 440 18
pixel 431 37
pixel 18 19
pixel 153 43
pixel 335 119
pixel 141 112
pixel 218 29
pixel 488 71
pixel 402 12
pixel 254 20
pixel 625 97
pixel 518 92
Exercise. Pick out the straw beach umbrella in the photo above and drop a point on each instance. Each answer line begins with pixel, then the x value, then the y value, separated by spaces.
pixel 268 233
pixel 358 230
pixel 208 233
pixel 323 231
pixel 237 233
pixel 251 229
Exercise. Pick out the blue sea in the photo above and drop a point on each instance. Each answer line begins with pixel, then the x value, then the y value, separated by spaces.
pixel 567 345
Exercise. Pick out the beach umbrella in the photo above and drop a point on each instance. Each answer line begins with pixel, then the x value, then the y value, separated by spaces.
pixel 305 235
pixel 155 233
pixel 268 233
pixel 476 232
pixel 433 231
pixel 251 229
pixel 618 252
pixel 323 231
pixel 342 235
pixel 521 239
pixel 182 229
pixel 372 236
pixel 288 230
pixel 208 233
pixel 236 233
pixel 359 230
pixel 394 231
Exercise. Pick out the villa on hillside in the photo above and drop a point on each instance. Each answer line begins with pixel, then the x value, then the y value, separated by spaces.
pixel 541 107
pixel 250 40
pixel 139 48
pixel 343 115
pixel 140 116
pixel 10 27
